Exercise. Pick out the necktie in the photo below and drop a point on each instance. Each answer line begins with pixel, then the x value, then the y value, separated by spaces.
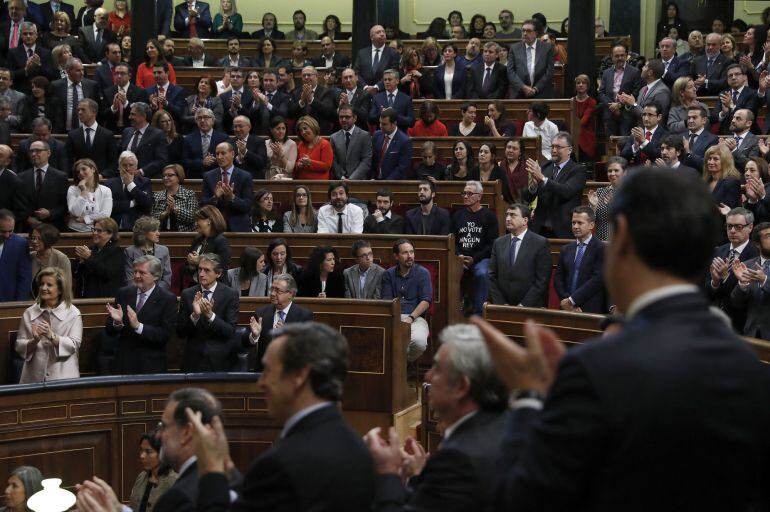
pixel 385 143
pixel 390 100
pixel 665 67
pixel 339 222
pixel 270 97
pixel 30 53
pixel 738 139
pixel 731 255
pixel 55 7
pixel 643 95
pixel 135 142
pixel 709 64
pixel 98 37
pixel 225 178
pixel 207 294
pixel 88 137
pixel 347 140
pixel 514 249
pixel 693 137
pixel 376 61
pixel 557 170
pixel 140 302
pixel 281 317
pixel 648 135
pixel 75 101
pixel 581 247
pixel 38 180
pixel 485 83
pixel 193 27
pixel 15 36
pixel 530 64
pixel 205 143
pixel 112 72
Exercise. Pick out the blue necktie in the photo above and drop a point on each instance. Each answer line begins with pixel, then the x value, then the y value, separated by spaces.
pixel 207 294
pixel 581 247
pixel 514 249
pixel 390 100
pixel 281 315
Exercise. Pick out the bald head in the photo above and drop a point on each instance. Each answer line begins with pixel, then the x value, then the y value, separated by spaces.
pixel 377 35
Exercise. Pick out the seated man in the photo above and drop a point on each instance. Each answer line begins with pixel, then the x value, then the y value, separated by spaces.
pixel 579 275
pixel 234 58
pixel 383 221
pixel 340 216
pixel 520 265
pixel 197 57
pixel 428 218
pixel 251 152
pixel 45 188
pixel 391 149
pixel 753 290
pixel 364 280
pixel 644 143
pixel 410 282
pixel 131 192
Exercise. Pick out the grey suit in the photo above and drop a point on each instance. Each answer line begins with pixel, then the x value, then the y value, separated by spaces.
pixel 756 301
pixel 526 281
pixel 161 252
pixel 355 162
pixel 749 147
pixel 658 93
pixel 372 285
pixel 17 104
pixel 258 287
pixel 518 74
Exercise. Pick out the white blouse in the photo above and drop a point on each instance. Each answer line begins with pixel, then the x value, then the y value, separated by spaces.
pixel 448 76
pixel 96 205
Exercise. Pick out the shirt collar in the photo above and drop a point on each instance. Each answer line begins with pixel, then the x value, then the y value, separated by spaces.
pixel 451 429
pixel 739 249
pixel 94 126
pixel 521 236
pixel 299 416
pixel 229 170
pixel 587 240
pixel 189 462
pixel 212 290
pixel 656 295
pixel 147 293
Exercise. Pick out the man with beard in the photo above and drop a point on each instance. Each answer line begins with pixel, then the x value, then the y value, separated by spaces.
pixel 428 218
pixel 352 146
pixel 340 216
pixel 300 33
pixel 383 220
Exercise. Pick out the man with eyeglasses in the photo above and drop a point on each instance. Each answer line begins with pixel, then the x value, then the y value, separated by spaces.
pixel 198 147
pixel 738 96
pixel 120 97
pixel 530 65
pixel 722 278
pixel 364 280
pixel 753 290
pixel 281 310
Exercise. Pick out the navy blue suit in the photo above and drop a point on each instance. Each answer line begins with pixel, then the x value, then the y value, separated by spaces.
pixel 363 66
pixel 236 211
pixel 589 294
pixel 676 68
pixel 122 211
pixel 650 151
pixel 16 277
pixel 151 152
pixel 397 162
pixel 202 24
pixel 402 104
pixel 17 60
pixel 163 17
pixel 704 141
pixel 280 103
pixel 192 152
pixel 175 99
pixel 459 82
pixel 103 78
pixel 747 99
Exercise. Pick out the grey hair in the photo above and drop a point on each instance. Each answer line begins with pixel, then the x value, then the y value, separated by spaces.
pixel 31 478
pixel 203 111
pixel 71 62
pixel 748 215
pixel 92 105
pixel 142 226
pixel 125 155
pixel 144 108
pixel 475 184
pixel 214 259
pixel 617 160
pixel 28 24
pixel 392 72
pixel 469 357
pixel 39 120
pixel 493 45
pixel 156 267
pixel 196 41
pixel 245 119
pixel 291 284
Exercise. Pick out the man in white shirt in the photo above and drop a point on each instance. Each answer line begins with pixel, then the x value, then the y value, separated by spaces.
pixel 538 125
pixel 644 142
pixel 340 216
pixel 753 290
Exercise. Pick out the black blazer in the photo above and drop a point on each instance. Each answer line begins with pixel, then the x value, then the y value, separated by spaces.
pixel 280 103
pixel 122 197
pixel 255 159
pixel 321 464
pixel 267 314
pixel 526 282
pixel 727 191
pixel 208 61
pixel 275 34
pixel 146 352
pixel 557 198
pixel 392 226
pixel 182 496
pixel 498 82
pixel 17 60
pixel 58 89
pixel 210 345
pixel 338 61
pixel 589 295
pixel 133 94
pixel 29 112
pixel 59 155
pixel 103 273
pixel 93 50
pixel 310 285
pixel 438 222
pixel 217 244
pixel 716 76
pixel 704 141
pixel 323 109
pixel 53 196
pixel 151 152
pixel 389 59
pixel 103 77
pixel 12 197
pixel 103 150
pixel 651 151
pixel 720 296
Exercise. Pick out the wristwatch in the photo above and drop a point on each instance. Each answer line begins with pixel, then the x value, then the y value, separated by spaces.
pixel 413 318
pixel 531 398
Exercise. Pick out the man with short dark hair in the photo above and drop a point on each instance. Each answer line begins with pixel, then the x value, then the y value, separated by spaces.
pixel 671 151
pixel 428 218
pixel 489 78
pixel 391 149
pixel 198 147
pixel 352 146
pixel 622 78
pixel 16 276
pixel 45 189
pixel 93 141
pixel 146 142
pixel 340 216
pixel 743 144
pixel 530 64
pixel 278 101
pixel 753 290
pixel 169 53
pixel 119 98
pixel 364 280
pixel 698 139
pixel 300 32
pixel 655 91
pixel 673 66
pixel 383 221
pixel 234 59
pixel 164 95
pixel 507 29
pixel 230 189
pixel 104 74
pixel 644 143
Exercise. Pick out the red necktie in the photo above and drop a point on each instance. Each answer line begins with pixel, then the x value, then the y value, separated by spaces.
pixel 15 36
pixel 193 28
pixel 382 156
pixel 648 135
pixel 225 179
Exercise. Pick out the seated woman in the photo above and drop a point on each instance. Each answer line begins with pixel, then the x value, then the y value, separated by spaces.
pixel 321 278
pixel 266 56
pixel 38 104
pixel 489 31
pixel 227 22
pixel 314 154
pixel 23 482
pixel 467 127
pixel 496 121
pixel 333 28
pixel 487 169
pixel 428 125
pixel 757 188
pixel 476 26
pixel 88 201
pixel 429 168
pixel 163 121
pixel 50 331
pixel 279 261
pixel 125 47
pixel 155 479
pixel 281 151
pixel 299 55
pixel 302 217
pixel 119 20
pixel 206 97
pixel 462 162
pixel 211 226
pixel 248 279
pixel 100 267
pixel 175 206
pixel 41 243
pixel 429 52
pixel 146 238
pixel 264 218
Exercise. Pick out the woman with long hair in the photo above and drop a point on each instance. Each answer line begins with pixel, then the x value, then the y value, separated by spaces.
pixel 332 28
pixel 279 261
pixel 670 18
pixel 156 476
pixel 38 104
pixel 600 199
pixel 249 279
pixel 496 121
pixel 428 125
pixel 314 153
pixel 513 166
pixel 264 218
pixel 147 243
pixel 266 56
pixel 450 80
pixel 754 40
pixel 301 217
pixel 281 151
pixel 413 82
pixel 163 121
pixel 729 48
pixel 227 22
pixel 100 266
pixel 176 205
pixel 462 162
pixel 23 482
pixel 153 53
pixel 87 201
pixel 50 331
pixel 125 47
pixel 684 95
pixel 119 19
pixel 757 188
pixel 487 169
pixel 322 276
pixel 205 97
pixel 721 177
pixel 41 242
pixel 211 226
pixel 476 26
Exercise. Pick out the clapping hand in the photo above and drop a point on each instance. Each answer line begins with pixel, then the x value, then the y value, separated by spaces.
pixel 385 454
pixel 207 307
pixel 133 321
pixel 196 303
pixel 534 170
pixel 255 324
pixel 727 101
pixel 413 458
pixel 228 192
pixel 209 160
pixel 763 147
pixel 97 496
pixel 718 270
pixel 116 314
pixel 82 252
pixel 593 198
pixel 741 272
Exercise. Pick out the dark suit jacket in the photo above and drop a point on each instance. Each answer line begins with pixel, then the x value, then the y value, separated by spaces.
pixel 459 82
pixel 237 210
pixel 243 61
pixel 498 82
pixel 151 151
pixel 589 294
pixel 392 226
pixel 438 222
pixel 704 141
pixel 84 17
pixel 716 76
pixel 210 345
pixel 202 24
pixel 13 197
pixel 556 198
pixel 47 12
pixel 397 162
pixel 631 84
pixel 183 495
pixel 175 98
pixel 526 282
pixel 720 296
pixel 402 104
pixel 543 75
pixel 689 171
pixel 755 299
pixel 275 34
pixel 338 61
pixel 103 273
pixel 103 78
pixel 650 151
pixel 321 464
pixel 727 191
pixel 746 99
pixel 58 89
pixel 141 194
pixel 389 59
pixel 93 50
pixel 17 60
pixel 267 314
pixel 280 103
pixel 103 150
pixel 677 68
pixel 244 110
pixel 362 104
pixel 133 95
pixel 163 17
pixel 460 476
pixel 208 60
pixel 53 196
pixel 192 152
pixel 255 159
pixel 59 159
pixel 16 276
pixel 146 352
pixel 323 108
pixel 600 443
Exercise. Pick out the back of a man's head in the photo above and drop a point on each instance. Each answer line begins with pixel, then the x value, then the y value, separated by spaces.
pixel 672 221
pixel 198 400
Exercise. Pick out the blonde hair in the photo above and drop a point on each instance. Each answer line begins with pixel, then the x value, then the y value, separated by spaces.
pixel 65 287
pixel 94 182
pixel 726 160
pixel 311 123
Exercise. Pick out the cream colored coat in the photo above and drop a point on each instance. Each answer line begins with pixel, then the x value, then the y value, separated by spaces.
pixel 47 362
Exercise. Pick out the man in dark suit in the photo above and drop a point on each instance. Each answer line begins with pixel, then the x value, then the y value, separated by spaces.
pixel 41 130
pixel 85 15
pixel 198 56
pixel 13 15
pixel 131 192
pixel 208 313
pixel 146 142
pixel 119 98
pixel 279 101
pixel 489 78
pixel 530 65
pixel 558 188
pixel 250 150
pixel 305 367
pixel 709 71
pixel 578 279
pixel 45 189
pixel 383 220
pixel 165 95
pixel 29 60
pixel 12 196
pixel 69 92
pixel 237 101
pixel 269 28
pixel 743 144
pixel 738 96
pixel 268 319
pixel 312 99
pixel 330 57
pixel 373 60
pixel 192 19
pixel 392 98
pixel 644 142
pixel 753 290
pixel 104 74
pixel 352 147
pixel 698 138
pixel 673 66
pixel 198 147
pixel 234 59
pixel 428 218
pixel 16 276
pixel 93 141
pixel 469 400
pixel 622 78
pixel 144 318
pixel 391 150
pixel 163 17
pixel 94 37
pixel 722 279
pixel 520 269
pixel 671 152
pixel 356 97
pixel 230 189
pixel 51 7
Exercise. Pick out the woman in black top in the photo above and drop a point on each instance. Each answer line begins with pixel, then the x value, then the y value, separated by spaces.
pixel 279 261
pixel 210 225
pixel 332 28
pixel 163 121
pixel 670 18
pixel 321 277
pixel 489 170
pixel 264 219
pixel 100 269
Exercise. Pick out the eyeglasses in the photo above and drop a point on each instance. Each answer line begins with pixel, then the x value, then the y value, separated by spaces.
pixel 468 194
pixel 556 146
pixel 736 227
pixel 172 175
pixel 278 290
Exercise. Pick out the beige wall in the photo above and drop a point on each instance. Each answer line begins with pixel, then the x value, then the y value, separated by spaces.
pixel 749 10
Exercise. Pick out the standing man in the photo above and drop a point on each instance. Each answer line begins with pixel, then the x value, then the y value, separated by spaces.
pixel 392 149
pixel 12 196
pixel 428 218
pixel 579 273
pixel 68 93
pixel 192 19
pixel 530 65
pixel 146 142
pixel 144 318
pixel 270 319
pixel 558 188
pixel 644 143
pixel 520 264
pixel 29 59
pixel 738 96
pixel 45 189
pixel 104 74
pixel 655 91
pixel 698 139
pixel 164 95
pixel 411 283
pixel 673 66
pixel 208 313
pixel 93 141
pixel 230 189
pixel 237 101
pixel 94 37
pixel 300 32
pixel 119 99
pixel 489 78
pixel 363 281
pixel 352 146
pixel 278 102
pixel 743 144
pixel 198 147
pixel 131 192
pixel 392 98
pixel 383 221
pixel 16 276
pixel 163 17
pixel 356 97
pixel 311 99
pixel 373 60
pixel 621 78
pixel 340 216
pixel 753 290
pixel 709 70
